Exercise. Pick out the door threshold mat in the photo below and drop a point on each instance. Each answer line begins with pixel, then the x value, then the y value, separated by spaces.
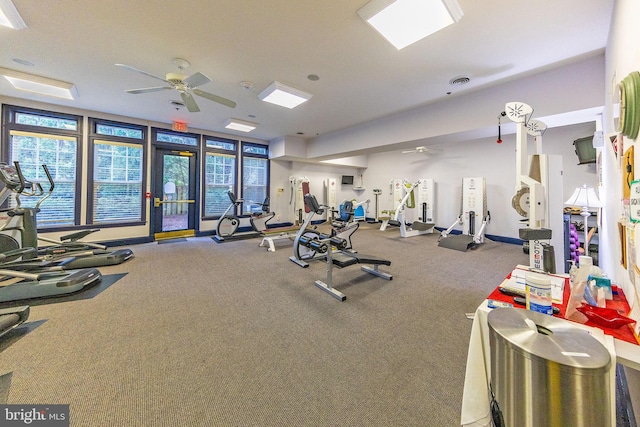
pixel 183 239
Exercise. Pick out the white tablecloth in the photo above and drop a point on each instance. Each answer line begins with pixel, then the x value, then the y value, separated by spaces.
pixel 475 396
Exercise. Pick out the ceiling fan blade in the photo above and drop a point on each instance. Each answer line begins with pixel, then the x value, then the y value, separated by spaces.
pixel 196 79
pixel 141 72
pixel 147 89
pixel 188 100
pixel 215 98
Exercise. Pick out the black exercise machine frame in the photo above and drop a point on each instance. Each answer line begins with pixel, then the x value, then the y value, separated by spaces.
pixel 323 244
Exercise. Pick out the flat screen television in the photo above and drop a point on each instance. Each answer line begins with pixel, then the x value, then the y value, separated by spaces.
pixel 584 150
pixel 347 180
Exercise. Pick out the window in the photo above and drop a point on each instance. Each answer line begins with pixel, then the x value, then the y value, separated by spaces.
pixel 219 176
pixel 116 173
pixel 255 176
pixel 35 138
pixel 173 138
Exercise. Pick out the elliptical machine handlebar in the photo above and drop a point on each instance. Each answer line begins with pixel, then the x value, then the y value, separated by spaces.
pixel 20 189
pixel 52 185
pixel 36 187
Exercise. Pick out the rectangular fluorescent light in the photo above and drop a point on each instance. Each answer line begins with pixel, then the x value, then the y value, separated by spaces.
pixel 39 84
pixel 284 95
pixel 239 125
pixel 9 16
pixel 404 22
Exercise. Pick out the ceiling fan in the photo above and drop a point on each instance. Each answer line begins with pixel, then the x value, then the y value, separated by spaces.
pixel 183 84
pixel 424 150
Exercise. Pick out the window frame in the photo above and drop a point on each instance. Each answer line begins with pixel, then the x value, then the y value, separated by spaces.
pixel 208 151
pixel 93 137
pixel 243 155
pixel 9 124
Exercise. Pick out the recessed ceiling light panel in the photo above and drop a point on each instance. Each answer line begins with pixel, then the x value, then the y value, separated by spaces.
pixel 283 95
pixel 9 16
pixel 239 125
pixel 38 84
pixel 404 22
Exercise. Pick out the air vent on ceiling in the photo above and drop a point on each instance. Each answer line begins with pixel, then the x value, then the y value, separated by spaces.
pixel 459 81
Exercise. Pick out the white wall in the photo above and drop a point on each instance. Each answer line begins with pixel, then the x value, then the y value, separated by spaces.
pixel 568 88
pixel 622 57
pixel 481 157
pixel 317 173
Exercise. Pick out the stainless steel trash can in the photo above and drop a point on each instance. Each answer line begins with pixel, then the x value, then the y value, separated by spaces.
pixel 547 372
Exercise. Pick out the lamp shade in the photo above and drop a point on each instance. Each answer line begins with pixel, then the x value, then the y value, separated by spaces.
pixel 584 197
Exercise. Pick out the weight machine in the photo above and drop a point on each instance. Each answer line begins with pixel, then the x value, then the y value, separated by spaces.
pixel 299 187
pixel 406 190
pixel 302 252
pixel 310 245
pixel 539 191
pixel 474 201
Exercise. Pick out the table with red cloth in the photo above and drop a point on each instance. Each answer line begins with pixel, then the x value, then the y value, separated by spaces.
pixel 618 303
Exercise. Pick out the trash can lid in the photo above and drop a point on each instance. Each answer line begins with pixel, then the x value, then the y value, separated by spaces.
pixel 546 337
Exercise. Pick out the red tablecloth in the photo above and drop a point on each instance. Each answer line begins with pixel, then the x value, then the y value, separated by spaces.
pixel 619 303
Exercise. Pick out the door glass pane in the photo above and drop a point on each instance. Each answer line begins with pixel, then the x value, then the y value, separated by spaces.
pixel 175 180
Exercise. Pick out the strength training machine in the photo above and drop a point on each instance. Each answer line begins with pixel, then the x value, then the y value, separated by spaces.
pixel 539 192
pixel 299 187
pixel 406 190
pixel 474 201
pixel 311 245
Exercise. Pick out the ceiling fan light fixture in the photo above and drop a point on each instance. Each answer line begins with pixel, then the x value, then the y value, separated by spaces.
pixel 10 17
pixel 40 85
pixel 404 22
pixel 283 95
pixel 239 125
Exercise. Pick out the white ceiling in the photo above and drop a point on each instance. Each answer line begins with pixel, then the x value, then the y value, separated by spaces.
pixel 362 76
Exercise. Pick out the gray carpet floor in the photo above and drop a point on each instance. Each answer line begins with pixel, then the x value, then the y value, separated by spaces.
pixel 204 334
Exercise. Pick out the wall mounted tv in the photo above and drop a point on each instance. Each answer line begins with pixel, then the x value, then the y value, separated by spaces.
pixel 584 150
pixel 347 180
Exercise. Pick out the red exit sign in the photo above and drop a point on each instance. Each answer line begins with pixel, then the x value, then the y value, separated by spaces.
pixel 179 126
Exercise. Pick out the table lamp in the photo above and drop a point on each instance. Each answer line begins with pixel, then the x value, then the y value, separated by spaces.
pixel 584 197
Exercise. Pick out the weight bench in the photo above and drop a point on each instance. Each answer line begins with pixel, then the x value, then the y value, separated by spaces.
pixel 343 259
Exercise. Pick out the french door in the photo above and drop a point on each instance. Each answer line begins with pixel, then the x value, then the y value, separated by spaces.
pixel 174 193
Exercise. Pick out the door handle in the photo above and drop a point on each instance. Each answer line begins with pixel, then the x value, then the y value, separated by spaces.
pixel 157 202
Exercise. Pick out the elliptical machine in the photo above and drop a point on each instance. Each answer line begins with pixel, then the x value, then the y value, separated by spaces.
pixel 21 229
